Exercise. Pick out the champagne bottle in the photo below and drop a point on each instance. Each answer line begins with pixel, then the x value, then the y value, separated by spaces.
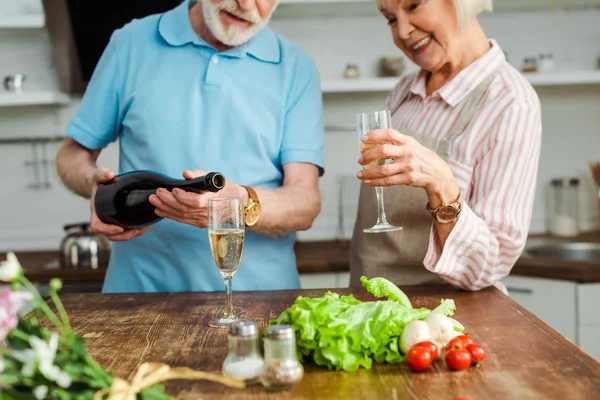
pixel 123 201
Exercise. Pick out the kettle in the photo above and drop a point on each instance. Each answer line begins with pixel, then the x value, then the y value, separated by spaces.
pixel 81 248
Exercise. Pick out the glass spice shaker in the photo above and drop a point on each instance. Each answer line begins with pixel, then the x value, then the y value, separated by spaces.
pixel 282 369
pixel 243 359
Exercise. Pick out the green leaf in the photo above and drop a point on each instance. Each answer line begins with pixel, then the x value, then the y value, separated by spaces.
pixel 381 287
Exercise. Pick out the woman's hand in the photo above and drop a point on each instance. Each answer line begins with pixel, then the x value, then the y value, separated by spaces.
pixel 188 207
pixel 410 164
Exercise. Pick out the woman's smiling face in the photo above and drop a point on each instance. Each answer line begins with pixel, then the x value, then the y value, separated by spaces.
pixel 425 30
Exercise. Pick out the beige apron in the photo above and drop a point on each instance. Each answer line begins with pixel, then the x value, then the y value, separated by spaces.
pixel 398 256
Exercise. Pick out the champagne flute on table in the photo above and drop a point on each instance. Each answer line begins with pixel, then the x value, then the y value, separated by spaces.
pixel 365 123
pixel 226 237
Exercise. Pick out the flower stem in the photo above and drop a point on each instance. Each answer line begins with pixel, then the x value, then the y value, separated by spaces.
pixel 51 316
pixel 61 311
pixel 19 335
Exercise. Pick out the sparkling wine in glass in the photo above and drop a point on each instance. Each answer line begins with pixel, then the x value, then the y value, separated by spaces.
pixel 365 123
pixel 226 237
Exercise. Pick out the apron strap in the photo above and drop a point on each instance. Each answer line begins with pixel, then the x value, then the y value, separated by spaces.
pixel 470 109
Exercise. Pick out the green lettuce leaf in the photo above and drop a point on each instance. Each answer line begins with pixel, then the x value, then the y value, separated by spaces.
pixel 381 287
pixel 341 332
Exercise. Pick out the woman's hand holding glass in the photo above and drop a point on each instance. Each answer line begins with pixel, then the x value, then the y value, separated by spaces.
pixel 409 163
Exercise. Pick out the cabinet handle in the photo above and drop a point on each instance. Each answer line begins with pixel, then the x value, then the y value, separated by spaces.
pixel 519 290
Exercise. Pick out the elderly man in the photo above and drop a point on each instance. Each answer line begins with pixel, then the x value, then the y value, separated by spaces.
pixel 203 87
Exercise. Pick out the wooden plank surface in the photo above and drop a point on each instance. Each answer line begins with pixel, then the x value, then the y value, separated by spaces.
pixel 526 358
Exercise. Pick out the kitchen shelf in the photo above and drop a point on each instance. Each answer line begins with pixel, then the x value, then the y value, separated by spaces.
pixel 23 21
pixel 561 78
pixel 10 99
pixel 558 78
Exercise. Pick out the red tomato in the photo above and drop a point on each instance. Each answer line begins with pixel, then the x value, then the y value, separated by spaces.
pixel 419 359
pixel 432 347
pixel 460 398
pixel 477 352
pixel 458 359
pixel 459 342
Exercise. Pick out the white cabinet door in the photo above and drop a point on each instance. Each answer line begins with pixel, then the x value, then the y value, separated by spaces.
pixel 326 280
pixel 589 340
pixel 588 300
pixel 552 301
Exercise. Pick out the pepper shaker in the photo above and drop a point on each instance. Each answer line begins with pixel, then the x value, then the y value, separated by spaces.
pixel 282 369
pixel 243 359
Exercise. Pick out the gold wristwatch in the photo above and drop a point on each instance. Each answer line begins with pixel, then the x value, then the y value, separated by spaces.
pixel 252 209
pixel 446 213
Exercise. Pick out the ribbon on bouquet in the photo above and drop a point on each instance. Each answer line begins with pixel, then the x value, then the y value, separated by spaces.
pixel 151 373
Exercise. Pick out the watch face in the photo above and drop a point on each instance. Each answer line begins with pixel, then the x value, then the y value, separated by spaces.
pixel 252 213
pixel 446 214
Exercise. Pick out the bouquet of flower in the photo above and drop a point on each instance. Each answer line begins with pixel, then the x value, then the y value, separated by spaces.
pixel 36 363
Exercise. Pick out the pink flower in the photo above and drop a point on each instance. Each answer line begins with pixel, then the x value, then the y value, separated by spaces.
pixel 10 303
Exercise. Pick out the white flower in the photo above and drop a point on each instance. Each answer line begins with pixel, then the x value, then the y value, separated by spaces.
pixel 1 365
pixel 40 392
pixel 41 356
pixel 10 269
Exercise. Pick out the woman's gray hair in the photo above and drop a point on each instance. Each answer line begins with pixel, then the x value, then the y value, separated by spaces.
pixel 466 10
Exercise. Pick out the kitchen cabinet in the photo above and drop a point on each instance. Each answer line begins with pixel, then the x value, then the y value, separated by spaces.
pixel 568 307
pixel 325 280
pixel 553 301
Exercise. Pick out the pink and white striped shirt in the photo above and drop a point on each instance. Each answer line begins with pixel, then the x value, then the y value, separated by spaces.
pixel 494 162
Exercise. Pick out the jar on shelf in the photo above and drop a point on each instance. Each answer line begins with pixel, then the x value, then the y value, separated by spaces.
pixel 282 369
pixel 530 64
pixel 563 206
pixel 546 62
pixel 352 71
pixel 243 359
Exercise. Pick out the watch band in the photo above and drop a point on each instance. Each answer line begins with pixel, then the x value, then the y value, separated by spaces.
pixel 251 193
pixel 455 205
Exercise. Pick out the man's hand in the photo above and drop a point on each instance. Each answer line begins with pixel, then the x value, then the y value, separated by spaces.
pixel 112 232
pixel 188 207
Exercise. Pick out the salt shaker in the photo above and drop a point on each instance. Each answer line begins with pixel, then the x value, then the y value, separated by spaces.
pixel 563 206
pixel 282 369
pixel 243 359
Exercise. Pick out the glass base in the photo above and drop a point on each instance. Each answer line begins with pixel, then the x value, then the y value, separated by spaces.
pixel 382 228
pixel 224 322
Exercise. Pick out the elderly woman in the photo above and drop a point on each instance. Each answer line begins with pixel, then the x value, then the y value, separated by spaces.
pixel 462 159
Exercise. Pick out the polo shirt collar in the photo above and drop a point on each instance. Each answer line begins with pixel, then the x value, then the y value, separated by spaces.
pixel 176 29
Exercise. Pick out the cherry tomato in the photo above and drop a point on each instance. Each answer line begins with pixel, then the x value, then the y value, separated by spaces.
pixel 432 347
pixel 458 359
pixel 419 359
pixel 459 342
pixel 460 398
pixel 477 352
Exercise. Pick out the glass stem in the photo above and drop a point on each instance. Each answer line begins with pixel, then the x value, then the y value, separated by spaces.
pixel 228 299
pixel 381 218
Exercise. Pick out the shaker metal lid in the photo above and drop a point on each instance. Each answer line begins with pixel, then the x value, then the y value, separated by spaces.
pixel 279 332
pixel 243 328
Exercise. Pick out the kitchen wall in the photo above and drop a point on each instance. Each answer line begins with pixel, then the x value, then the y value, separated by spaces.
pixel 32 218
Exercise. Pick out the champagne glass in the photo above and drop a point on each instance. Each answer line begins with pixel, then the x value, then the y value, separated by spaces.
pixel 226 237
pixel 365 123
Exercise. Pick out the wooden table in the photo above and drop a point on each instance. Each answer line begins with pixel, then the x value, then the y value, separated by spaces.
pixel 526 358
